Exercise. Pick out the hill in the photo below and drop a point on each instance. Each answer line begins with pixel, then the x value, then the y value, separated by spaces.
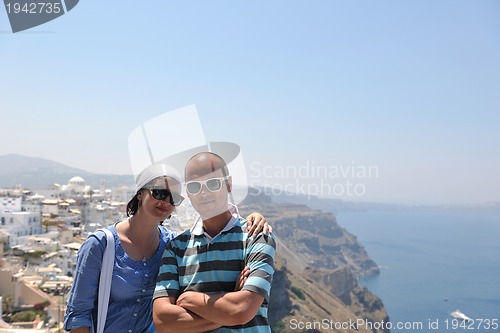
pixel 39 173
pixel 337 205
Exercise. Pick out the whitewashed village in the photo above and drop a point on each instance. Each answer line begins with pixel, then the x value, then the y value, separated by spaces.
pixel 40 234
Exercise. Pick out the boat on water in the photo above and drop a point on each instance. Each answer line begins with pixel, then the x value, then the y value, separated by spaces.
pixel 459 315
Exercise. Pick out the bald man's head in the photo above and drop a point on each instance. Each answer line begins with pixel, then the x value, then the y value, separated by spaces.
pixel 208 184
pixel 203 164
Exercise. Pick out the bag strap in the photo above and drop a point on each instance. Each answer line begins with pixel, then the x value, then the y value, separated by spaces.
pixel 108 260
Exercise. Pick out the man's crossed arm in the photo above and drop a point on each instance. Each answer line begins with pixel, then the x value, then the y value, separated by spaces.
pixel 199 312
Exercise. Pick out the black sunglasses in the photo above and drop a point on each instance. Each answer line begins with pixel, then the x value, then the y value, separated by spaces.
pixel 162 193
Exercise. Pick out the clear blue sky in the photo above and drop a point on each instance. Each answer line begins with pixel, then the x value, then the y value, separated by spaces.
pixel 410 87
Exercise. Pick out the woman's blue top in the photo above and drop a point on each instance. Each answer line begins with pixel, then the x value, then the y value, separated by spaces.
pixel 130 304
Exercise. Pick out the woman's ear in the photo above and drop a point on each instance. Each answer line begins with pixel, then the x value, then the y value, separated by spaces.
pixel 229 184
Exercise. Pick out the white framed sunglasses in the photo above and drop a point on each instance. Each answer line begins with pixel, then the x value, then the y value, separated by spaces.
pixel 213 185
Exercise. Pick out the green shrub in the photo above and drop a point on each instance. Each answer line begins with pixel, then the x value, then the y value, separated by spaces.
pixel 278 327
pixel 298 292
pixel 25 316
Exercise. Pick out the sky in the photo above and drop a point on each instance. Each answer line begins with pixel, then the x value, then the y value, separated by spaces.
pixel 375 101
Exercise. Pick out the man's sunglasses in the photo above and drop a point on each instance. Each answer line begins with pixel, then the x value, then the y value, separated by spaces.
pixel 212 184
pixel 161 194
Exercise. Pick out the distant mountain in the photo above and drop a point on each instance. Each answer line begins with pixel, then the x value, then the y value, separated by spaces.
pixel 336 205
pixel 39 173
pixel 13 163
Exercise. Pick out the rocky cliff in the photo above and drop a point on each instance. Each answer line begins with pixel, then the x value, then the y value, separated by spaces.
pixel 315 286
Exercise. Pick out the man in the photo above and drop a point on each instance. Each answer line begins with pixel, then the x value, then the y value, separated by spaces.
pixel 200 269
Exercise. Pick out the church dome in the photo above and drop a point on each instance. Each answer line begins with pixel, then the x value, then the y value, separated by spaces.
pixel 76 181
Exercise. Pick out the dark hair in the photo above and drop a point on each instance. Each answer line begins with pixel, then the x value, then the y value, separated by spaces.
pixel 133 205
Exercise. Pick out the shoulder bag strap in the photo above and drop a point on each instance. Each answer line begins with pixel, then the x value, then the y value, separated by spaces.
pixel 108 260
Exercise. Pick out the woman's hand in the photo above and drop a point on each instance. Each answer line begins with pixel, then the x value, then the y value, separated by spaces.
pixel 256 223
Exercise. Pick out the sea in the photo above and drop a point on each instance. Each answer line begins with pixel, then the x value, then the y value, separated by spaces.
pixel 433 262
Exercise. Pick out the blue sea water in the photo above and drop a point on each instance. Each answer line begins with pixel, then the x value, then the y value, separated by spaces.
pixel 433 262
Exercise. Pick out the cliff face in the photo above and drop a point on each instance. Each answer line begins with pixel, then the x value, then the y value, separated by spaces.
pixel 315 286
pixel 316 238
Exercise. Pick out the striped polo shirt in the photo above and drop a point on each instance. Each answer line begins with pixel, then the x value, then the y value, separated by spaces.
pixel 195 262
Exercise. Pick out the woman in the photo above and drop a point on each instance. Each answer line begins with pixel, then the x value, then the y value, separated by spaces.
pixel 139 245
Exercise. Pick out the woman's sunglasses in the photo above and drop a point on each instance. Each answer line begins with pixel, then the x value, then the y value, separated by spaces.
pixel 212 184
pixel 161 194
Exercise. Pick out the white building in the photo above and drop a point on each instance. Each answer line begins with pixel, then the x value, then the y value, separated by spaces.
pixel 122 194
pixel 76 185
pixel 16 221
pixel 11 203
pixel 19 224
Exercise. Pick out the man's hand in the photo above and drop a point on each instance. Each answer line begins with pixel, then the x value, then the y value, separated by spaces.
pixel 240 281
pixel 171 318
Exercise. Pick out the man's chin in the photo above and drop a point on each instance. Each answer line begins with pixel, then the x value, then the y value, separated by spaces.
pixel 205 215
